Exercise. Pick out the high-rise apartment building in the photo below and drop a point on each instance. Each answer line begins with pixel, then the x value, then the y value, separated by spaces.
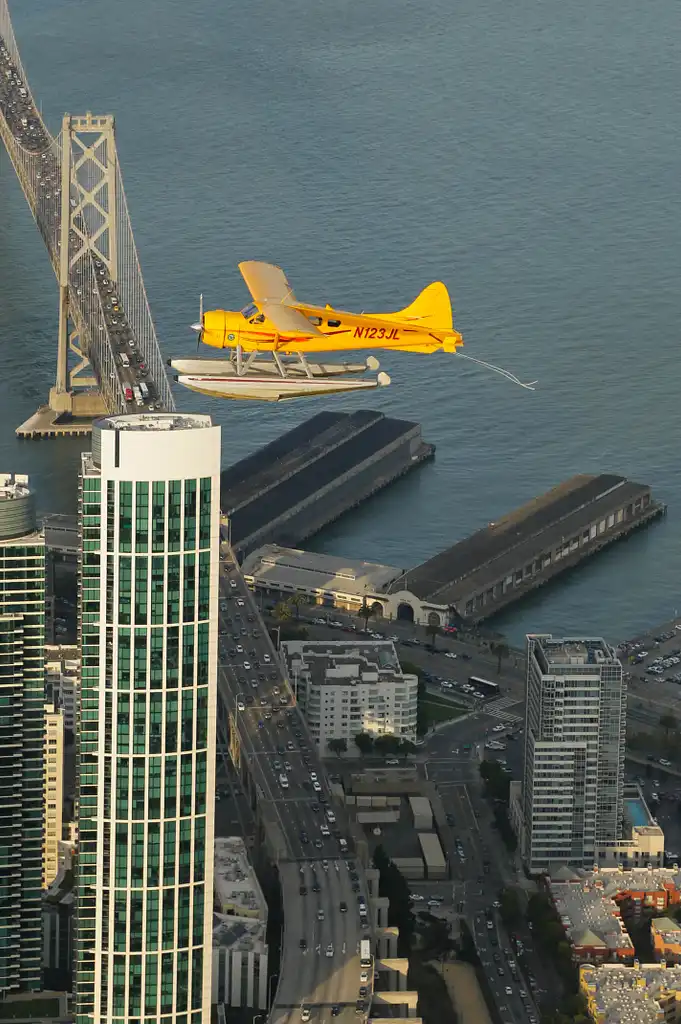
pixel 53 791
pixel 575 731
pixel 346 687
pixel 149 522
pixel 22 703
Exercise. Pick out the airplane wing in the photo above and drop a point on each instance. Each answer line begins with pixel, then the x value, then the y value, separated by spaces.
pixel 274 298
pixel 288 320
pixel 266 283
pixel 352 319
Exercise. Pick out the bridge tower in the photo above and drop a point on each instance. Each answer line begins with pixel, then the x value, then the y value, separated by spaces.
pixel 87 228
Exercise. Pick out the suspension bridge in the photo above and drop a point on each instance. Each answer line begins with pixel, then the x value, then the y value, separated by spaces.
pixel 107 354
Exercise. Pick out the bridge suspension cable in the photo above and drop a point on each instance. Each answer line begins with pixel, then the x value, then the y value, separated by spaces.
pixel 108 357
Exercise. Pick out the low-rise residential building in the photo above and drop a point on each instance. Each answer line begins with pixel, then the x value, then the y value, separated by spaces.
pixel 640 994
pixel 53 775
pixel 665 935
pixel 240 954
pixel 590 905
pixel 348 687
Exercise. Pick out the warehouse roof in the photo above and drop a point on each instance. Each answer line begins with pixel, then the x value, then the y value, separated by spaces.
pixel 265 486
pixel 311 572
pixel 516 539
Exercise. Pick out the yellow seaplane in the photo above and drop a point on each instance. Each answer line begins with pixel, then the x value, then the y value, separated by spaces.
pixel 269 341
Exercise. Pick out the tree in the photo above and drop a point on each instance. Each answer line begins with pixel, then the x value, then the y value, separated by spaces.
pixel 433 631
pixel 501 651
pixel 338 745
pixel 365 612
pixel 510 907
pixel 387 744
pixel 296 602
pixel 364 742
pixel 667 722
pixel 282 611
pixel 406 747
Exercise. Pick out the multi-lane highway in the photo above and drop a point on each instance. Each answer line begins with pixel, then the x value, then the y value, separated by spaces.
pixel 325 897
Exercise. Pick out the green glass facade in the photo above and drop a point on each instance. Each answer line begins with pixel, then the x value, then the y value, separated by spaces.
pixel 148 573
pixel 22 725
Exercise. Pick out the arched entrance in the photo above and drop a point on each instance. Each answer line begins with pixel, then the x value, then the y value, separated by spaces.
pixel 434 619
pixel 377 609
pixel 405 612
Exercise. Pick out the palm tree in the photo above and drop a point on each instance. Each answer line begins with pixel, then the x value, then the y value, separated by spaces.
pixel 296 601
pixel 433 631
pixel 365 612
pixel 501 651
pixel 282 611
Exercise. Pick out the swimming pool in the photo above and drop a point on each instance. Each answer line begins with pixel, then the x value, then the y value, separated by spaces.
pixel 637 812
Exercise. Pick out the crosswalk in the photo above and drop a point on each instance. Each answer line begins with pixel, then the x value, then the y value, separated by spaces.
pixel 497 709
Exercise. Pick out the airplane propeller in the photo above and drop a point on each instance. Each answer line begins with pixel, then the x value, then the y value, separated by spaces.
pixel 198 327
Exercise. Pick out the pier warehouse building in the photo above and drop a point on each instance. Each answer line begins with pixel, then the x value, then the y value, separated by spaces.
pixel 291 488
pixel 478 576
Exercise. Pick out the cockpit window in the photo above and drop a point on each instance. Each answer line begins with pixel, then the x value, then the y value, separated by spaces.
pixel 334 323
pixel 249 311
pixel 316 321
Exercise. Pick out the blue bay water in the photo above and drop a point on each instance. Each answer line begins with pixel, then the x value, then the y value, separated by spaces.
pixel 527 154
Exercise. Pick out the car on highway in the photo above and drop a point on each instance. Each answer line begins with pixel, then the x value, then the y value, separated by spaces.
pixel 416 897
pixel 303 944
pixel 240 706
pixel 325 830
pixel 335 1010
pixel 434 903
pixel 392 761
pixel 450 654
pixel 304 1014
pixel 344 910
pixel 303 890
pixel 329 950
pixel 509 990
pixel 316 786
pixel 320 914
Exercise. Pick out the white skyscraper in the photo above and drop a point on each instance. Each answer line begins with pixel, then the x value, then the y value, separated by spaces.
pixel 575 731
pixel 149 520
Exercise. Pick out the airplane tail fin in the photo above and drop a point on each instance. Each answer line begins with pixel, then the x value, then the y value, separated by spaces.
pixel 432 308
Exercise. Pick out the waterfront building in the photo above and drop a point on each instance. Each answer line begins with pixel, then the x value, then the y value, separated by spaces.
pixel 22 714
pixel 54 791
pixel 346 687
pixel 276 573
pixel 575 730
pixel 149 522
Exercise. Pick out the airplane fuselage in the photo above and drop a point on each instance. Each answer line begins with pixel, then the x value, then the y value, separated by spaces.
pixel 228 329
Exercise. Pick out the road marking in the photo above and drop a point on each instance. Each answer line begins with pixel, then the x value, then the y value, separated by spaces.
pixel 497 710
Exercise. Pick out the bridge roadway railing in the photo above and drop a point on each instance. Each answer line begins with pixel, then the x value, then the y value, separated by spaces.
pixel 37 159
pixel 266 798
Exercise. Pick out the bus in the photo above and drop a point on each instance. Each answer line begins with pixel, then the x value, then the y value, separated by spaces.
pixel 484 686
pixel 138 395
pixel 365 953
pixel 144 389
